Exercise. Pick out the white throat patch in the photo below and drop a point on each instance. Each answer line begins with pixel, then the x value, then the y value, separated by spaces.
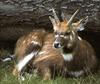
pixel 67 57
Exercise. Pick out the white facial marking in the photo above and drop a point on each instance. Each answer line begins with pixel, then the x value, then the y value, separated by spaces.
pixel 67 57
pixel 62 36
pixel 71 38
pixel 55 27
pixel 76 73
pixel 56 36
pixel 25 60
pixel 73 33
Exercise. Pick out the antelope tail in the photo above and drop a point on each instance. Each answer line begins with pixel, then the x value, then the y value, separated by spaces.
pixel 7 58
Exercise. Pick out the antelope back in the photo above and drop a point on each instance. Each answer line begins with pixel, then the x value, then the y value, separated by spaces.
pixel 30 42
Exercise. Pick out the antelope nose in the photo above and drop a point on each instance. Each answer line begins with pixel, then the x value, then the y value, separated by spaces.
pixel 57 45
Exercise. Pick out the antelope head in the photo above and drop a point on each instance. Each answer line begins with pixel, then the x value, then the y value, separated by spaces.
pixel 65 31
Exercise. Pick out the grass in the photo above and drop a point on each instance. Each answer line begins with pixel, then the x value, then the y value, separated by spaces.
pixel 6 77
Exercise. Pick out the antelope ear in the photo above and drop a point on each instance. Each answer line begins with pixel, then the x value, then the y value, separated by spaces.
pixel 78 26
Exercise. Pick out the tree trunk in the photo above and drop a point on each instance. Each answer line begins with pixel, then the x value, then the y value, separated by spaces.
pixel 18 17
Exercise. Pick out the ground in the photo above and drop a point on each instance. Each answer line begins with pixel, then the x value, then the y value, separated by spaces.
pixel 6 76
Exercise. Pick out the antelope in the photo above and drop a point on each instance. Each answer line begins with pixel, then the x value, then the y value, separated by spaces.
pixel 62 51
pixel 78 54
pixel 35 50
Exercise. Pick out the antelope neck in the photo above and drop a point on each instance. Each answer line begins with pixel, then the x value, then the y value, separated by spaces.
pixel 66 50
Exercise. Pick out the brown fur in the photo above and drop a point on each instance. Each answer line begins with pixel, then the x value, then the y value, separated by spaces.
pixel 83 59
pixel 47 61
pixel 25 42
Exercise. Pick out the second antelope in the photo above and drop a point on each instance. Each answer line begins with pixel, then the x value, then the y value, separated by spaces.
pixel 35 51
pixel 78 54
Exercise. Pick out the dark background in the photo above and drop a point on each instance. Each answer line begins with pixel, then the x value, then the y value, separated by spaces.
pixel 18 17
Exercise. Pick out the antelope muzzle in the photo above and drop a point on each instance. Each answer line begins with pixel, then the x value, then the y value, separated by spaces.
pixel 59 42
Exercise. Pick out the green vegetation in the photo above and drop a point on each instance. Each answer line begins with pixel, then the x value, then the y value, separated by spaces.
pixel 6 77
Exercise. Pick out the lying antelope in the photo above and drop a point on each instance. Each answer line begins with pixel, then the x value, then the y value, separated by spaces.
pixel 36 49
pixel 77 53
pixel 63 51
